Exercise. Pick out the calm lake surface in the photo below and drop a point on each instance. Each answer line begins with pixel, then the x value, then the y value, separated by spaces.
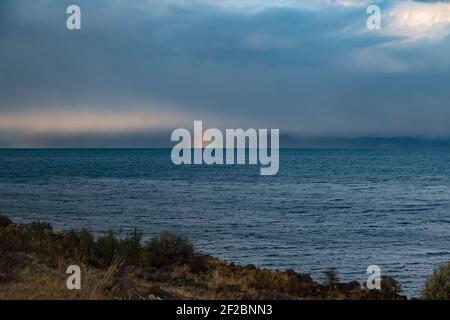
pixel 326 208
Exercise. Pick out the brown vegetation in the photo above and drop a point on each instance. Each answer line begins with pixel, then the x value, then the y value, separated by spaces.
pixel 34 258
pixel 437 286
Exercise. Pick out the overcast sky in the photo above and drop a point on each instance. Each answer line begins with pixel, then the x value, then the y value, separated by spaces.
pixel 139 69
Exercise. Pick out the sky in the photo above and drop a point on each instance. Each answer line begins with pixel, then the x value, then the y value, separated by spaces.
pixel 139 69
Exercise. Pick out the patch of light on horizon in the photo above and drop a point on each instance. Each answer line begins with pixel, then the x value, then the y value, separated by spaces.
pixel 88 121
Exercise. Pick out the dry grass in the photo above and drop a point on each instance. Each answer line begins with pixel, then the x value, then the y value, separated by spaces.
pixel 34 258
pixel 37 282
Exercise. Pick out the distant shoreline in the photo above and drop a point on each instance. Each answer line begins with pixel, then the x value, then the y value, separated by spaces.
pixel 287 141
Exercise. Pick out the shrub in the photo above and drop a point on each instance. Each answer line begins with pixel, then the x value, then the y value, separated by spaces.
pixel 130 248
pixel 9 241
pixel 75 245
pixel 198 264
pixel 437 285
pixel 39 238
pixel 4 221
pixel 168 248
pixel 106 248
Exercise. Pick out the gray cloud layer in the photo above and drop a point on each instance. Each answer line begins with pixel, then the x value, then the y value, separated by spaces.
pixel 312 71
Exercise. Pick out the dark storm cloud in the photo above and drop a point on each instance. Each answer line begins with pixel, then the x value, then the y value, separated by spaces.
pixel 314 71
pixel 184 56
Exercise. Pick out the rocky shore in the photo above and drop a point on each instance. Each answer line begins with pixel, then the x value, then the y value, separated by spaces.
pixel 34 259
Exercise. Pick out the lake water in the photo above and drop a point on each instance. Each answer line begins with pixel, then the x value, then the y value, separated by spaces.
pixel 346 209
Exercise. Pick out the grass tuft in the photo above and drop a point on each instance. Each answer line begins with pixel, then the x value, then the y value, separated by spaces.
pixel 437 286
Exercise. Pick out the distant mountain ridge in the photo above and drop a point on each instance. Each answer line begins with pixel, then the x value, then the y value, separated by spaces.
pixel 288 141
pixel 161 139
